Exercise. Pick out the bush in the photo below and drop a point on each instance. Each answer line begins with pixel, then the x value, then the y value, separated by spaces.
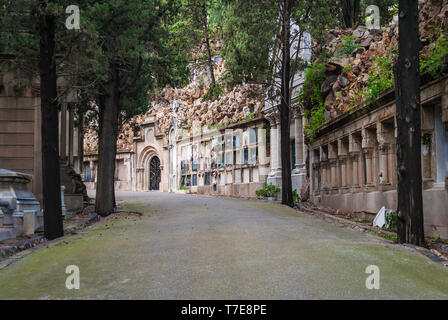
pixel 295 196
pixel 268 191
pixel 214 93
pixel 381 78
pixel 392 221
pixel 310 96
pixel 316 119
pixel 348 45
pixel 435 60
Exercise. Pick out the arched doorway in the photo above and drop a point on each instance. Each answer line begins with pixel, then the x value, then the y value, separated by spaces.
pixel 154 173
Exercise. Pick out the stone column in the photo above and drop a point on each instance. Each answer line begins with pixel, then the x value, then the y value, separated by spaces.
pixel 355 171
pixel 279 149
pixel 263 163
pixel 71 141
pixel 343 172
pixel 274 153
pixel 272 115
pixel 298 140
pixel 391 164
pixel 324 179
pixel 384 168
pixel 298 176
pixel 63 131
pixel 368 154
pixel 333 164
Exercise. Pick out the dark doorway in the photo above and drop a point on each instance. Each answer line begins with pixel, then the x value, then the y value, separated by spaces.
pixel 154 173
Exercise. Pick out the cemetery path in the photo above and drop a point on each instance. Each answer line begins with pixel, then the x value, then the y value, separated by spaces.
pixel 198 247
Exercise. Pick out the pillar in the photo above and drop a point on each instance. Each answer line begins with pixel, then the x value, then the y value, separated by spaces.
pixel 343 172
pixel 279 148
pixel 298 124
pixel 355 171
pixel 274 146
pixel 63 131
pixel 384 168
pixel 369 164
pixel 71 134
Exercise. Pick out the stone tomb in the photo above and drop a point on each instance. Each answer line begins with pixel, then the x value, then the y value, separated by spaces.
pixel 20 211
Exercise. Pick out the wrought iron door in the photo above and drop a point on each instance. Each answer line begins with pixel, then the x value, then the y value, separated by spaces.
pixel 154 173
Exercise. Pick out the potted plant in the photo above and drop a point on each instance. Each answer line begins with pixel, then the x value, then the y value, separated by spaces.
pixel 269 192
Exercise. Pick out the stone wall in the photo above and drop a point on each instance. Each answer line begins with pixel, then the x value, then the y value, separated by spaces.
pixel 353 159
pixel 20 145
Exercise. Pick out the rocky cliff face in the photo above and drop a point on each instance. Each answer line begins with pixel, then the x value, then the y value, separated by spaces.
pixel 236 104
pixel 361 60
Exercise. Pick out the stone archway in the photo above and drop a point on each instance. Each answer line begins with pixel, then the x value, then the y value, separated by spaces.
pixel 154 174
pixel 143 167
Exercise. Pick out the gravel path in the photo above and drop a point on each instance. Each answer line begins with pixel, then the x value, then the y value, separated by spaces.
pixel 197 247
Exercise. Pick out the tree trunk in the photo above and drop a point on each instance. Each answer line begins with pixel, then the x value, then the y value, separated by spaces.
pixel 51 184
pixel 210 62
pixel 350 12
pixel 107 149
pixel 407 83
pixel 284 106
pixel 207 43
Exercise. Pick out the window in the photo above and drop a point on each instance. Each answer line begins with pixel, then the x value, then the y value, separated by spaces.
pixel 184 153
pixel 229 161
pixel 195 180
pixel 253 155
pixel 183 167
pixel 229 144
pixel 188 181
pixel 237 140
pixel 195 165
pixel 182 181
pixel 253 136
pixel 207 179
pixel 88 175
pixel 246 156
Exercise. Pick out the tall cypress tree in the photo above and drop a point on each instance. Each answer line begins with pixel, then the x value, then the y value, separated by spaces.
pixel 407 91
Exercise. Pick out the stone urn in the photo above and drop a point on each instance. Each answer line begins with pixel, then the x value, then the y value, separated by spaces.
pixel 20 210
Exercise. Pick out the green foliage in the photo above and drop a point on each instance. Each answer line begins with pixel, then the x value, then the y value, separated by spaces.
pixel 269 190
pixel 311 98
pixel 214 93
pixel 295 196
pixel 435 61
pixel 347 68
pixel 386 236
pixel 310 95
pixel 348 45
pixel 248 29
pixel 315 121
pixel 250 116
pixel 392 221
pixel 381 78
